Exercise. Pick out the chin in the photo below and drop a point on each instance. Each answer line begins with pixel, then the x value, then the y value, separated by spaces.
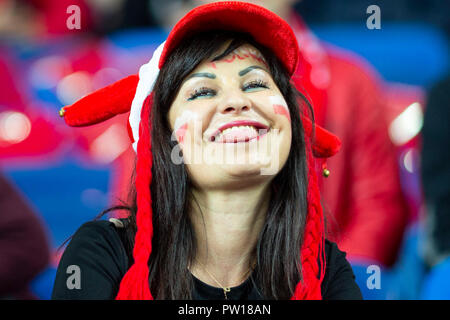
pixel 250 172
pixel 242 170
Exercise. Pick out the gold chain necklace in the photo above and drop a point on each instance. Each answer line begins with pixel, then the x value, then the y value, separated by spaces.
pixel 225 289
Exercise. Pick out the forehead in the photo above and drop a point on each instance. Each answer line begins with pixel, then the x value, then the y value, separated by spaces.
pixel 243 48
pixel 244 54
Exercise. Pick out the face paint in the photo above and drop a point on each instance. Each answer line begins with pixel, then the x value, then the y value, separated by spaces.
pixel 181 132
pixel 181 124
pixel 244 53
pixel 280 106
pixel 250 52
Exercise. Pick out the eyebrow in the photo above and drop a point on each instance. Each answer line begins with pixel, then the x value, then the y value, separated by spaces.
pixel 202 74
pixel 247 70
pixel 213 76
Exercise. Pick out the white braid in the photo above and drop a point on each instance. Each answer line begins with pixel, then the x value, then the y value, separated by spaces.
pixel 147 78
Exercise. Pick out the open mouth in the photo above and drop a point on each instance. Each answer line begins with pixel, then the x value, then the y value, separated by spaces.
pixel 239 131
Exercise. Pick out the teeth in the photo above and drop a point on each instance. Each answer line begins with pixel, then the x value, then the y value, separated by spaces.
pixel 238 128
pixel 228 130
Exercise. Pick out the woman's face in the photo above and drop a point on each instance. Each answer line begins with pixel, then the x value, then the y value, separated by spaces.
pixel 231 121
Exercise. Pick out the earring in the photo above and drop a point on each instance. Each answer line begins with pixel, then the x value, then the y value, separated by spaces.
pixel 325 171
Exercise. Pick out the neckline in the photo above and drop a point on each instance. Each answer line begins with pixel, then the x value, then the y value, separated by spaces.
pixel 207 291
pixel 206 285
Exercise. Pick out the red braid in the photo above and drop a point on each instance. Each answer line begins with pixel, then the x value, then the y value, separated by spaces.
pixel 313 247
pixel 135 283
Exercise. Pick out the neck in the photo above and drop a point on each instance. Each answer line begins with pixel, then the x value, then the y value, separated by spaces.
pixel 227 225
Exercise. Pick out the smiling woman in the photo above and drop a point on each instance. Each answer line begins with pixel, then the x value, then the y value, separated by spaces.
pixel 222 229
pixel 227 199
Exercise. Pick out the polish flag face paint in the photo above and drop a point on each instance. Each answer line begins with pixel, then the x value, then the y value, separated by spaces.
pixel 181 124
pixel 181 132
pixel 280 106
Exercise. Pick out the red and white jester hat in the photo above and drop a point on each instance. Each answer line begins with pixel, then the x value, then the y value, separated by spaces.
pixel 133 94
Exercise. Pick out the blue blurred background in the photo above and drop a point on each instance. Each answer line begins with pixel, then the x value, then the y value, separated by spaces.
pixel 69 175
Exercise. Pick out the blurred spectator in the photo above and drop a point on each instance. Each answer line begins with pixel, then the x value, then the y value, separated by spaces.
pixel 24 251
pixel 363 193
pixel 37 19
pixel 433 12
pixel 18 20
pixel 435 171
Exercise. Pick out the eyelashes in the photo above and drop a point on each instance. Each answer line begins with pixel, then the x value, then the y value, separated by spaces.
pixel 201 92
pixel 253 85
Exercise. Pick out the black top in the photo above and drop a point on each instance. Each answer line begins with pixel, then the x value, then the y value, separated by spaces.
pixel 98 250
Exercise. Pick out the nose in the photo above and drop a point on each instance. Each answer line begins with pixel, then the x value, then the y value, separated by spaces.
pixel 234 101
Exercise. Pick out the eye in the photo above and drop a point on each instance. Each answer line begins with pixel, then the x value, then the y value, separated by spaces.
pixel 201 92
pixel 255 85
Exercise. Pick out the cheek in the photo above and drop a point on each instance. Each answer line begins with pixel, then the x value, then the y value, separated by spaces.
pixel 181 132
pixel 182 124
pixel 280 107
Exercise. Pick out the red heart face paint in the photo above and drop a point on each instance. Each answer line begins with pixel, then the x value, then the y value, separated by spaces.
pixel 280 106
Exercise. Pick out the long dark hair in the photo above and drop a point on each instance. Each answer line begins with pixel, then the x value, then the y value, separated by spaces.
pixel 277 253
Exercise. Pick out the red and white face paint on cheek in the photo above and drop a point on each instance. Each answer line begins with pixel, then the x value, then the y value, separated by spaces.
pixel 280 106
pixel 180 133
pixel 182 123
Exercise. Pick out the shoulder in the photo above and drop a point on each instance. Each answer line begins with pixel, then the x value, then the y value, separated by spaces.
pixel 110 230
pixel 97 228
pixel 332 251
pixel 339 280
pixel 101 237
pixel 98 236
pixel 97 254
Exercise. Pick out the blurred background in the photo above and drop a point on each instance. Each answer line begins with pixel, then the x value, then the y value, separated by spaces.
pixel 377 78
